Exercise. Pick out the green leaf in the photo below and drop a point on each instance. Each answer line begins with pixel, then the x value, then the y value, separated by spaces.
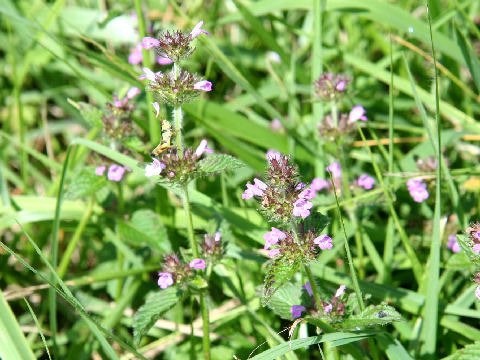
pixel 469 55
pixel 279 271
pixel 145 226
pixel 469 352
pixel 157 303
pixel 215 163
pixel 467 247
pixel 459 261
pixel 316 222
pixel 84 184
pixel 283 299
pixel 91 114
pixel 382 314
pixel 198 283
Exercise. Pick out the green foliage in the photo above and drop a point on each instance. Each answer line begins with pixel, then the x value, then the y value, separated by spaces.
pixel 381 314
pixel 467 247
pixel 86 183
pixel 469 352
pixel 156 304
pixel 214 164
pixel 283 299
pixel 91 114
pixel 278 271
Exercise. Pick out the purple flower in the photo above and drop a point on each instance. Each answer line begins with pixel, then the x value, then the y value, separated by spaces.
pixel 319 184
pixel 328 308
pixel 260 184
pixel 452 243
pixel 155 168
pixel 272 154
pixel 203 85
pixel 335 169
pixel 366 181
pixel 197 30
pixel 165 280
pixel 477 292
pixel 254 190
pixel 276 125
pixel 476 248
pixel 156 106
pixel 149 74
pixel 115 172
pixel 272 237
pixel 300 186
pixel 308 287
pixel 324 242
pixel 149 42
pixel 297 310
pixel 218 236
pixel 301 207
pixel 100 170
pixel 341 86
pixel 307 194
pixel 202 148
pixel 135 56
pixel 357 113
pixel 418 190
pixel 163 60
pixel 340 291
pixel 272 253
pixel 132 92
pixel 197 264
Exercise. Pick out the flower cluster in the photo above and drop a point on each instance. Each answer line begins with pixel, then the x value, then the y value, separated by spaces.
pixel 175 89
pixel 331 129
pixel 289 246
pixel 417 189
pixel 173 168
pixel 319 184
pixel 175 272
pixel 212 245
pixel 331 86
pixel 333 310
pixel 174 45
pixel 115 172
pixel 282 197
pixel 117 123
pixel 473 232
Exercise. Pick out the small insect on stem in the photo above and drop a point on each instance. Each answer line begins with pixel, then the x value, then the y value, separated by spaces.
pixel 167 135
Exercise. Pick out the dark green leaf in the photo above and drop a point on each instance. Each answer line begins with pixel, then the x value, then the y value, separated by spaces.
pixel 382 314
pixel 283 299
pixel 279 271
pixel 84 184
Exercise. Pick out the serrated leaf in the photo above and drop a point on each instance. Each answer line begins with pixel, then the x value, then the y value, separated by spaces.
pixel 467 247
pixel 84 184
pixel 382 314
pixel 215 163
pixel 145 226
pixel 279 271
pixel 91 114
pixel 156 304
pixel 316 222
pixel 283 299
pixel 469 352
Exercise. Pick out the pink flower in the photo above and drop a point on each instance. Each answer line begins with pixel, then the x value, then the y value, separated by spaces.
pixel 197 30
pixel 272 253
pixel 328 308
pixel 272 237
pixel 476 248
pixel 202 148
pixel 340 291
pixel 156 106
pixel 149 74
pixel 335 169
pixel 260 184
pixel 366 181
pixel 301 207
pixel 115 172
pixel 308 287
pixel 272 154
pixel 135 56
pixel 324 242
pixel 254 190
pixel 218 236
pixel 132 92
pixel 149 42
pixel 163 60
pixel 307 194
pixel 276 125
pixel 477 292
pixel 341 86
pixel 300 186
pixel 100 170
pixel 319 184
pixel 357 113
pixel 418 190
pixel 297 310
pixel 203 85
pixel 197 264
pixel 452 243
pixel 155 168
pixel 165 280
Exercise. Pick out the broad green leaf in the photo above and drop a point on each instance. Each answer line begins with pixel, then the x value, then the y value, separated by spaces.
pixel 382 314
pixel 215 163
pixel 157 303
pixel 467 246
pixel 469 352
pixel 85 184
pixel 285 297
pixel 13 344
pixel 458 261
pixel 145 226
pixel 279 271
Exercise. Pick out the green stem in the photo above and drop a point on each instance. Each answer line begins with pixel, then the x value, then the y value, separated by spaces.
pixel 178 116
pixel 120 256
pixel 206 327
pixel 313 285
pixel 356 285
pixel 189 221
